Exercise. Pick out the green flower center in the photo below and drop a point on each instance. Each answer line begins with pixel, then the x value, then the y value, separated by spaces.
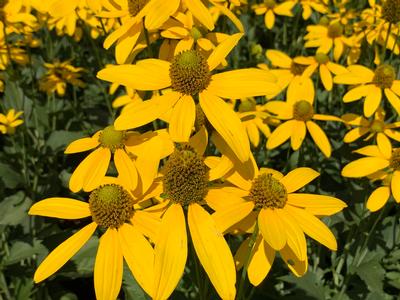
pixel 268 192
pixel 111 138
pixel 135 6
pixel 384 76
pixel 324 21
pixel 377 126
pixel 335 30
pixel 303 110
pixel 297 69
pixel 395 160
pixel 186 177
pixel 270 3
pixel 196 33
pixel 321 58
pixel 189 72
pixel 391 11
pixel 111 206
pixel 247 105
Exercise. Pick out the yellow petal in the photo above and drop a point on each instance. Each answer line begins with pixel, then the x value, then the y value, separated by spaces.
pixel 281 134
pixel 281 109
pixel 395 186
pixel 298 134
pixel 200 12
pixel 199 141
pixel 298 267
pixel 82 145
pixel 355 134
pixel 149 74
pixel 384 145
pixel 126 169
pixel 319 137
pixel 222 197
pixel 158 12
pixel 139 255
pixel 243 83
pixel 297 178
pixel 63 208
pixel 378 198
pixel 170 252
pixel 356 93
pixel 319 205
pixel 313 227
pixel 108 266
pixel 358 75
pixel 261 260
pixel 146 223
pixel 269 19
pixel 142 113
pixel 227 123
pixel 326 77
pixel 223 166
pixel 182 119
pixel 272 228
pixel 393 99
pixel 60 255
pixel 227 12
pixel 300 88
pixel 230 215
pixel 372 100
pixel 364 166
pixel 213 251
pixel 279 59
pixel 91 171
pixel 222 50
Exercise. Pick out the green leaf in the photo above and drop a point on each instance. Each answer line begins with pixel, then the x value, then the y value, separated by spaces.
pixel 14 209
pixel 60 139
pixel 10 178
pixel 373 274
pixel 22 250
pixel 131 288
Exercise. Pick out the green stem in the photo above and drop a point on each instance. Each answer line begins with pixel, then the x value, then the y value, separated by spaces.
pixel 385 45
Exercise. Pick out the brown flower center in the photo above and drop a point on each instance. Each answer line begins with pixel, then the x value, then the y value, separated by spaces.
pixel 391 11
pixel 111 206
pixel 335 30
pixel 321 58
pixel 186 177
pixel 377 126
pixel 303 110
pixel 135 6
pixel 247 105
pixel 189 72
pixel 395 160
pixel 268 192
pixel 384 76
pixel 111 138
pixel 270 3
pixel 297 69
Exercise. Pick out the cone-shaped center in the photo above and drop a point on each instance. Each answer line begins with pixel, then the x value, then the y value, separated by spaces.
pixel 377 126
pixel 395 160
pixel 186 177
pixel 270 3
pixel 297 69
pixel 247 105
pixel 111 206
pixel 391 11
pixel 324 21
pixel 111 138
pixel 335 30
pixel 268 192
pixel 384 76
pixel 189 72
pixel 321 58
pixel 303 110
pixel 135 6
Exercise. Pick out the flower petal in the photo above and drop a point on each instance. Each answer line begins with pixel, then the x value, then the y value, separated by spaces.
pixel 127 172
pixel 372 100
pixel 63 208
pixel 281 134
pixel 393 99
pixel 364 166
pixel 182 119
pixel 297 178
pixel 261 260
pixel 60 255
pixel 384 145
pixel 213 251
pixel 230 215
pixel 82 145
pixel 319 205
pixel 108 266
pixel 272 228
pixel 319 137
pixel 222 50
pixel 170 252
pixel 298 134
pixel 158 12
pixel 201 13
pixel 378 198
pixel 298 267
pixel 395 186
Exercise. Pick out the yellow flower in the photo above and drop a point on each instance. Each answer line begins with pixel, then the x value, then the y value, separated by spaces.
pixel 325 66
pixel 128 100
pixel 255 119
pixel 7 49
pixel 113 207
pixel 58 75
pixel 291 75
pixel 270 8
pixel 326 38
pixel 14 16
pixel 123 146
pixel 375 127
pixel 299 116
pixel 9 121
pixel 381 162
pixel 279 218
pixel 189 76
pixel 370 84
pixel 310 5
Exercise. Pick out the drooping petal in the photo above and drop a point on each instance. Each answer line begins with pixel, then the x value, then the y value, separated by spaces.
pixel 298 267
pixel 297 178
pixel 395 186
pixel 63 208
pixel 139 255
pixel 319 205
pixel 146 223
pixel 158 12
pixel 364 166
pixel 384 145
pixel 170 252
pixel 221 197
pixel 378 198
pixel 60 255
pixel 298 134
pixel 261 260
pixel 326 77
pixel 108 266
pixel 393 99
pixel 230 215
pixel 272 228
pixel 227 123
pixel 212 251
pixel 313 227
pixel 356 93
pixel 319 137
pixel 200 12
pixel 182 119
pixel 222 50
pixel 82 145
pixel 355 134
pixel 372 100
pixel 279 59
pixel 127 172
pixel 281 134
